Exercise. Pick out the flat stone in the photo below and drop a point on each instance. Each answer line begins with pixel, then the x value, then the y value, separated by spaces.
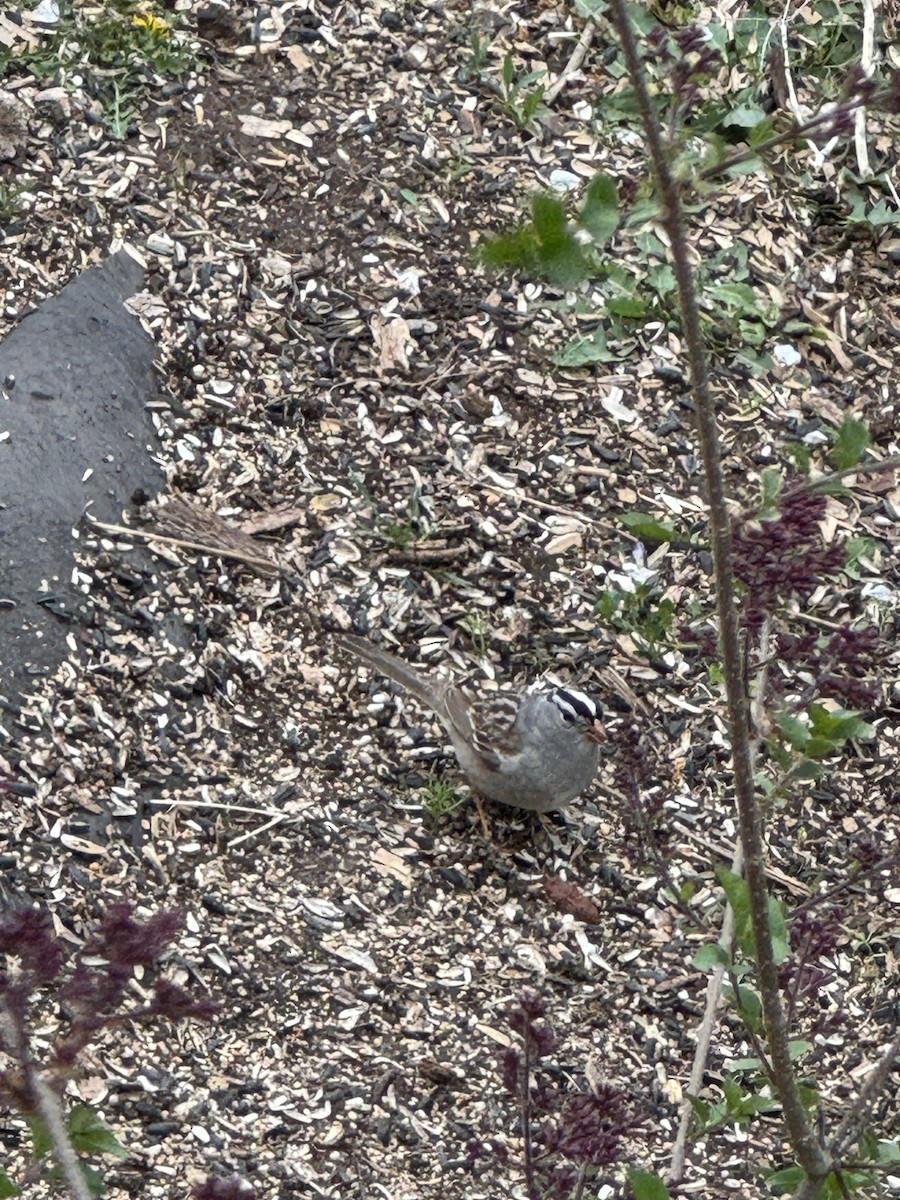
pixel 75 376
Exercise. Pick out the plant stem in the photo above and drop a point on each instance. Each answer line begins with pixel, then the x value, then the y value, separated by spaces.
pixel 63 1151
pixel 814 1161
pixel 525 1115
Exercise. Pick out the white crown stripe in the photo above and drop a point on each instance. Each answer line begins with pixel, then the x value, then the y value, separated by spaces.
pixel 574 705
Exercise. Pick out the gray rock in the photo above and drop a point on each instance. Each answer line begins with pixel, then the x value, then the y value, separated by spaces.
pixel 75 376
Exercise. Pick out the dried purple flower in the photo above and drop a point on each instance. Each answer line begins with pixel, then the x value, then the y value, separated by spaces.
pixel 27 934
pixel 125 942
pixel 784 557
pixel 175 1004
pixel 592 1125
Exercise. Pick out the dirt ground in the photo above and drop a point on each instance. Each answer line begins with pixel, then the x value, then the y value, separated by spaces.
pixel 361 427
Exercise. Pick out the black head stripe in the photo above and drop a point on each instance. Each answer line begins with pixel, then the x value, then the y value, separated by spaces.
pixel 575 706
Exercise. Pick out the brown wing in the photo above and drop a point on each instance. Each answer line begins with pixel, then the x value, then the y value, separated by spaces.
pixel 491 724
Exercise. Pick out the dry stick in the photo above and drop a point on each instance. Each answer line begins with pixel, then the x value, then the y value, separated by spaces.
pixel 714 987
pixel 850 1127
pixel 63 1150
pixel 704 1034
pixel 866 57
pixel 264 564
pixel 869 468
pixel 578 54
pixel 814 1161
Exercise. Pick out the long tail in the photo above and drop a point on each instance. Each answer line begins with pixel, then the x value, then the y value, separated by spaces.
pixel 395 668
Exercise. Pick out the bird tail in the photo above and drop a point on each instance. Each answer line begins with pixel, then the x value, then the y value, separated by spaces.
pixel 388 664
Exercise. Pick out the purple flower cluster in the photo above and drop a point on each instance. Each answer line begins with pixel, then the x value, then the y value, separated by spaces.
pixel 690 58
pixel 567 1136
pixel 90 996
pixel 784 558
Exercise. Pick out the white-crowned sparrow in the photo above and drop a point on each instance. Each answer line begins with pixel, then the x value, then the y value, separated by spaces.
pixel 531 750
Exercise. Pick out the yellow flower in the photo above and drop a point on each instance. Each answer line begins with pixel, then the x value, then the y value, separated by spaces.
pixel 153 23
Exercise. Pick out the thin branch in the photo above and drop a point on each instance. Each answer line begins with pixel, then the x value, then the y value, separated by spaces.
pixel 868 468
pixel 852 1124
pixel 265 565
pixel 574 63
pixel 63 1151
pixel 704 1035
pixel 809 1153
pixel 866 58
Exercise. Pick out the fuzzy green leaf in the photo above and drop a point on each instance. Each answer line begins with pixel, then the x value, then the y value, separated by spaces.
pixel 796 732
pixel 583 351
pixel 600 211
pixel 739 898
pixel 627 306
pixel 41 1142
pixel 708 957
pixel 781 943
pixel 90 1134
pixel 647 528
pixel 852 439
pixel 647 1186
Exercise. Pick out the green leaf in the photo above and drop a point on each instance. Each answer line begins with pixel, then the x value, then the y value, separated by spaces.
pixel 531 103
pixel 517 250
pixel 41 1143
pixel 787 1181
pixel 647 1186
pixel 90 1134
pixel 583 351
pixel 772 480
pixel 559 255
pixel 600 211
pixel 798 1048
pixel 739 898
pixel 564 263
pixel 509 70
pixel 662 279
pixel 781 944
pixel 94 1179
pixel 796 732
pixel 838 724
pixel 708 957
pixel 888 1152
pixel 809 770
pixel 744 1064
pixel 549 217
pixel 799 455
pixel 761 132
pixel 859 549
pixel 749 1007
pixel 647 528
pixel 7 1187
pixel 882 213
pixel 852 439
pixel 627 306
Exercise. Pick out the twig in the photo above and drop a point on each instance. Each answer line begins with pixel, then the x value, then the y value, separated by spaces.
pixel 869 468
pixel 850 1127
pixel 266 565
pixel 704 1034
pixel 63 1150
pixel 866 55
pixel 812 1158
pixel 574 63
